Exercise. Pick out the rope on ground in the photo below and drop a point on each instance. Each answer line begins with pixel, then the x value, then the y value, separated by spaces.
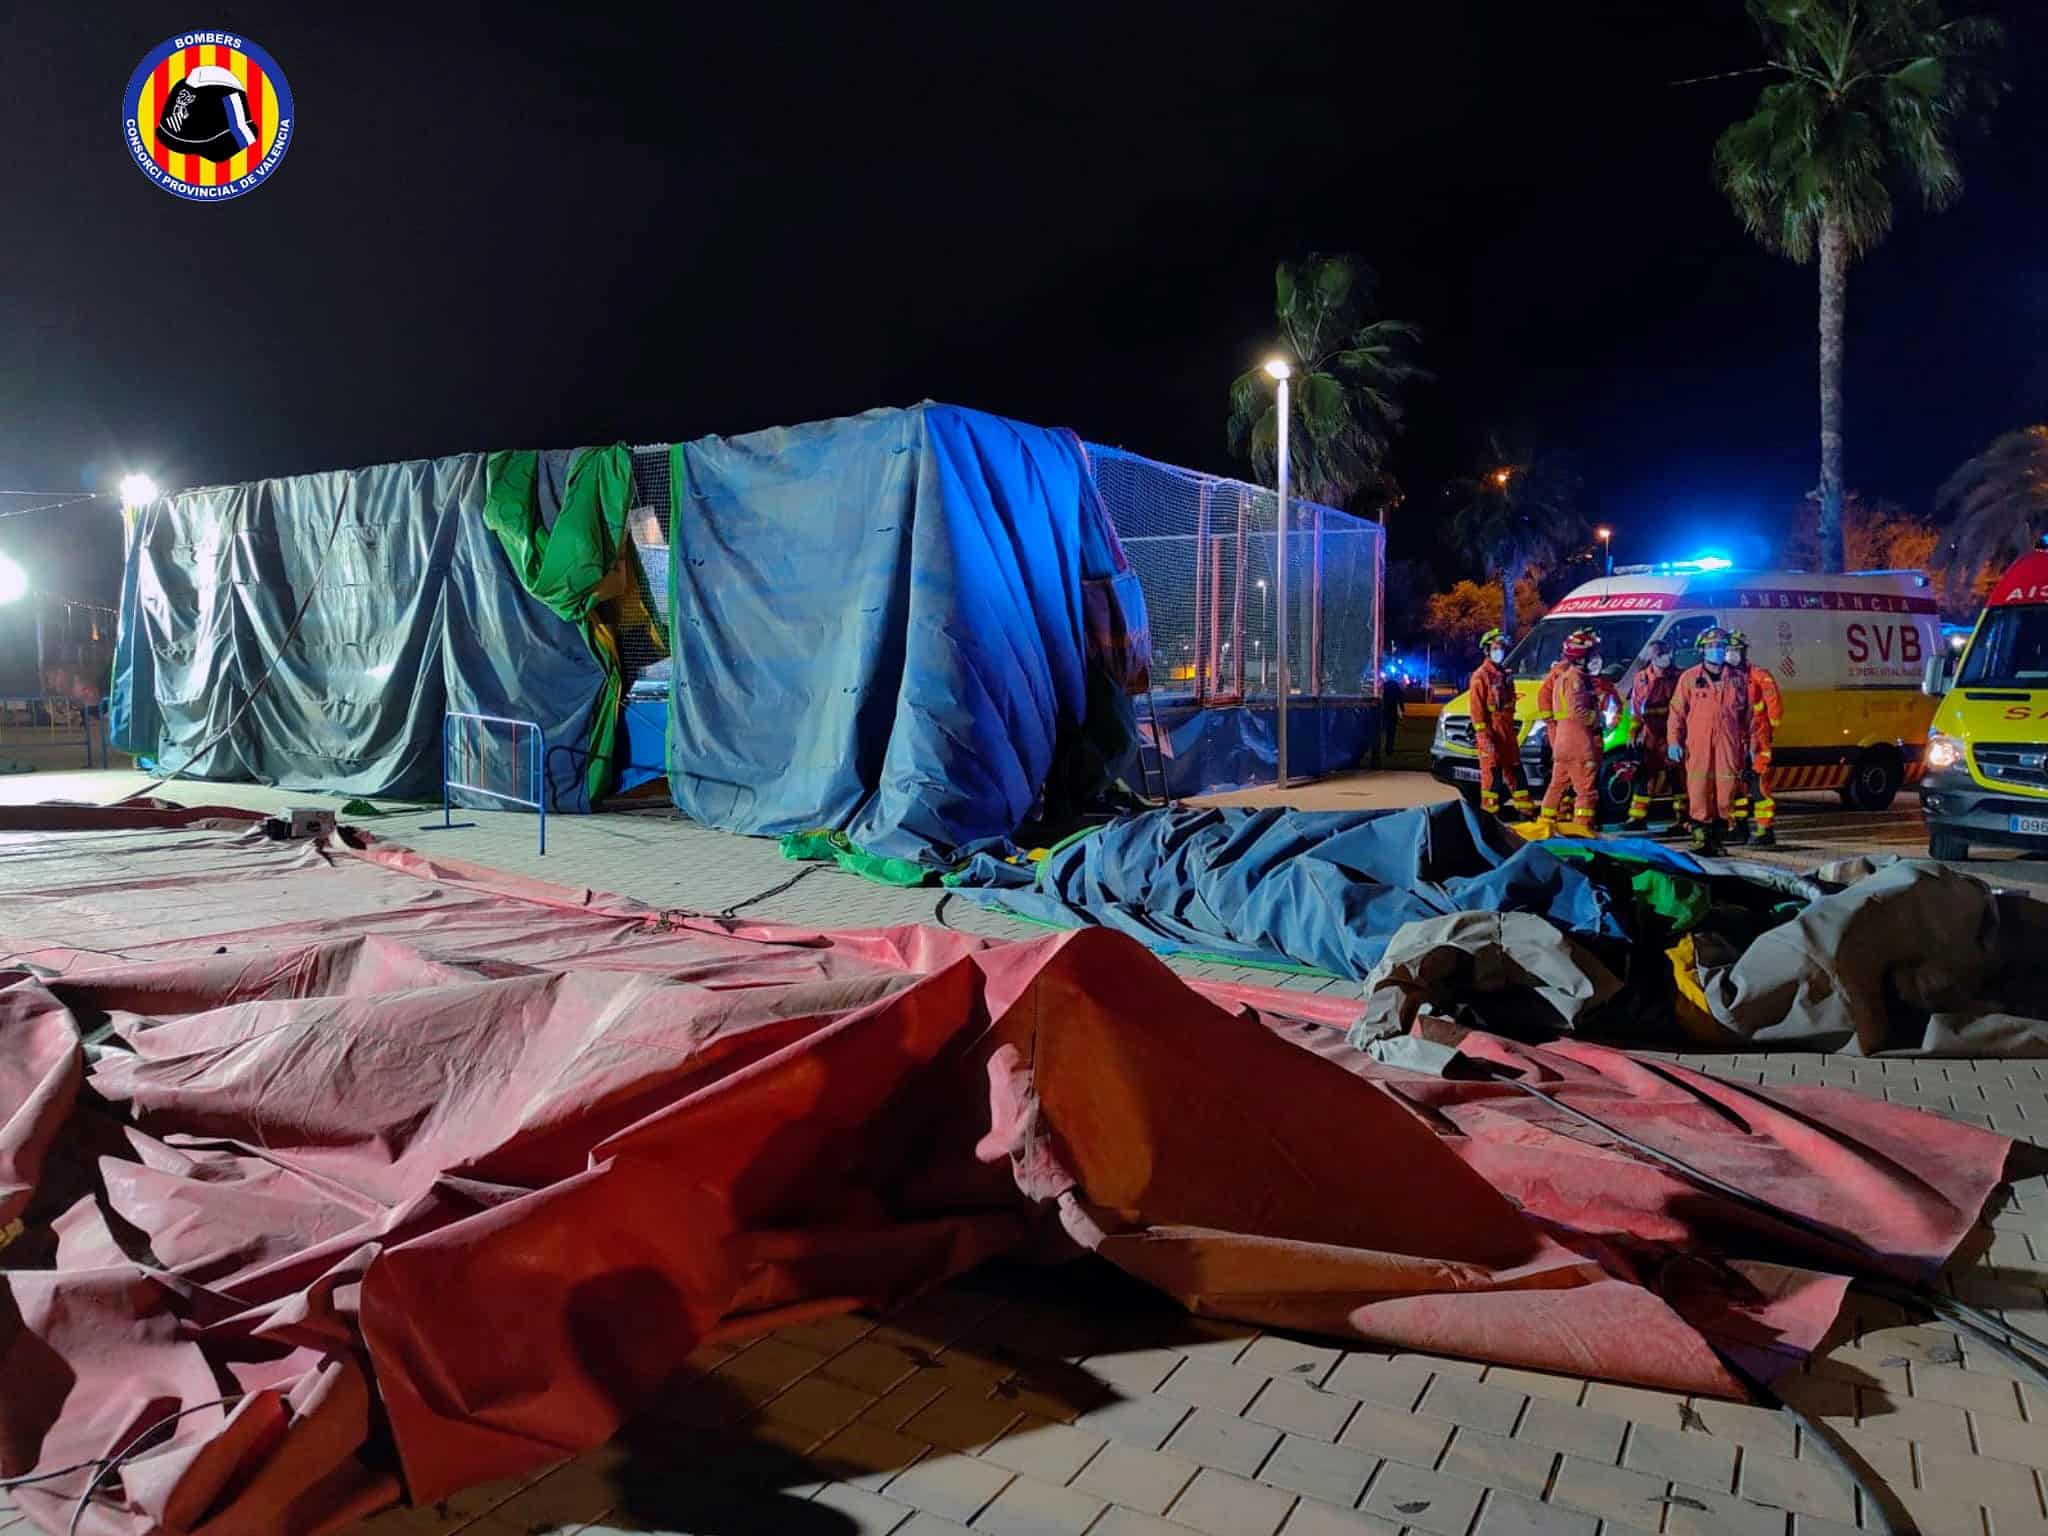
pixel 774 890
pixel 939 911
pixel 107 1464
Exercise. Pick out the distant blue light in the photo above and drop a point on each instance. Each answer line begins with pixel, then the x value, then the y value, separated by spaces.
pixel 1710 563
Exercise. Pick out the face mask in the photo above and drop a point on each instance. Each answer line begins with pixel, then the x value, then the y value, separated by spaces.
pixel 1661 660
pixel 1593 663
pixel 1715 656
pixel 1738 658
pixel 1497 654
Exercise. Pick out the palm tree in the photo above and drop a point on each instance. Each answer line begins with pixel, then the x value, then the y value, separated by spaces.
pixel 1867 89
pixel 1351 371
pixel 1999 502
pixel 1516 512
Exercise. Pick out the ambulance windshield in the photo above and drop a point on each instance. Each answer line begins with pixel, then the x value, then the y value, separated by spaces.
pixel 2011 650
pixel 1622 636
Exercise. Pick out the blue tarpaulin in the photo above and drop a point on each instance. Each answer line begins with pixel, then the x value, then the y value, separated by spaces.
pixel 410 611
pixel 878 626
pixel 1323 889
pixel 1212 747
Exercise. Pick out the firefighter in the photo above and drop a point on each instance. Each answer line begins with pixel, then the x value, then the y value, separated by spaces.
pixel 1710 735
pixel 1766 709
pixel 1649 703
pixel 1570 701
pixel 1493 732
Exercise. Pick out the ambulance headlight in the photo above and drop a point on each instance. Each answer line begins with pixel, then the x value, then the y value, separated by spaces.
pixel 1535 736
pixel 1443 728
pixel 1942 754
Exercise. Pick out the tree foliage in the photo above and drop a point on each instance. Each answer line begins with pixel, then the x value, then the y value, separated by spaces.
pixel 1997 506
pixel 1352 369
pixel 1864 91
pixel 1458 618
pixel 1515 512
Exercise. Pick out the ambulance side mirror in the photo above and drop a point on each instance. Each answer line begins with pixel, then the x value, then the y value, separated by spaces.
pixel 1940 670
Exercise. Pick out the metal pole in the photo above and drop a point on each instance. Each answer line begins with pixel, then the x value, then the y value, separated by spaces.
pixel 447 819
pixel 1280 582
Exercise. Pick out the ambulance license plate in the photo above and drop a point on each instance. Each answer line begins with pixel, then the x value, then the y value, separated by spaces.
pixel 1460 771
pixel 2028 826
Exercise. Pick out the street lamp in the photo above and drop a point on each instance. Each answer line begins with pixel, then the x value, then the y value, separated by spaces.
pixel 1501 477
pixel 1606 537
pixel 137 491
pixel 13 581
pixel 1280 371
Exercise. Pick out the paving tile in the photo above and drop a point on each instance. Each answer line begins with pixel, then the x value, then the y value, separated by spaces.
pixel 1055 1389
pixel 1300 1409
pixel 1411 1437
pixel 1886 1458
pixel 1612 1493
pixel 1702 1460
pixel 905 1401
pixel 1141 1421
pixel 770 1363
pixel 1464 1401
pixel 1379 1379
pixel 1749 1426
pixel 1820 1397
pixel 871 1514
pixel 2009 1440
pixel 1863 1368
pixel 871 1367
pixel 1511 1514
pixel 1029 1507
pixel 1904 1418
pixel 571 1495
pixel 1313 1519
pixel 1504 1463
pixel 1702 1512
pixel 1808 1487
pixel 1050 1452
pixel 1661 1410
pixel 1209 1338
pixel 2003 1487
pixel 931 1525
pixel 956 1487
pixel 1147 1481
pixel 1940 1512
pixel 1425 1501
pixel 1563 1389
pixel 1813 1525
pixel 818 1405
pixel 1224 1505
pixel 1217 1440
pixel 1134 1372
pixel 867 1455
pixel 1583 1432
pixel 1205 1384
pixel 1273 1355
pixel 828 1335
pixel 1319 1470
pixel 1129 1522
pixel 960 1422
pixel 1975 1390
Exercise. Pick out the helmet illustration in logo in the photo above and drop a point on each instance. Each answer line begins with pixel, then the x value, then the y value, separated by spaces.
pixel 207 114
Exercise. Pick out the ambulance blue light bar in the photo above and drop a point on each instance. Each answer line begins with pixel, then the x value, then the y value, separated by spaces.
pixel 1693 567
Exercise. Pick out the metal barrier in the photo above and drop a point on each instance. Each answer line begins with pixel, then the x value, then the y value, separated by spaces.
pixel 477 755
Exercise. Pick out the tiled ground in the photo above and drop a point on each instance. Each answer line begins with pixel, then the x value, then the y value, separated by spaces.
pixel 1056 1403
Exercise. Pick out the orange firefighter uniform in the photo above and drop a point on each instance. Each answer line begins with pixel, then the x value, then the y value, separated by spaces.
pixel 1493 733
pixel 1649 702
pixel 1710 728
pixel 1766 709
pixel 1574 716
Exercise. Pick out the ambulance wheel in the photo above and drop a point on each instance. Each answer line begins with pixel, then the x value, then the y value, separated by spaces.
pixel 1951 847
pixel 1874 780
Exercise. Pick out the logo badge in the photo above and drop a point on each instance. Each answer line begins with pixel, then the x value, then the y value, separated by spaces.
pixel 207 116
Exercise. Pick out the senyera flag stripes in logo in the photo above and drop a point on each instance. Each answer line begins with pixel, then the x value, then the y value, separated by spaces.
pixel 207 116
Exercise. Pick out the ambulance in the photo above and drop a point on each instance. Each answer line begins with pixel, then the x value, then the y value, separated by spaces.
pixel 1850 654
pixel 1987 755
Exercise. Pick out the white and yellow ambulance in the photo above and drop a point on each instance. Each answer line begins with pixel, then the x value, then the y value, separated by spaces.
pixel 1850 654
pixel 1987 755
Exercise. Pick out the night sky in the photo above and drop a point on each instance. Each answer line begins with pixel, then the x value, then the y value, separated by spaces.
pixel 506 226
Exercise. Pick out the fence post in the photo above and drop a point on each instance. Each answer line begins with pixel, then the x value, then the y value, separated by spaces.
pixel 1315 613
pixel 1244 508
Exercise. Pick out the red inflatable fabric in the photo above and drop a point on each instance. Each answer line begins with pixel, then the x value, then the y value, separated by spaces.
pixel 407 1152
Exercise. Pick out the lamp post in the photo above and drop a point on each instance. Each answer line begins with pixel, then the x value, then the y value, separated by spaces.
pixel 1280 371
pixel 1606 537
